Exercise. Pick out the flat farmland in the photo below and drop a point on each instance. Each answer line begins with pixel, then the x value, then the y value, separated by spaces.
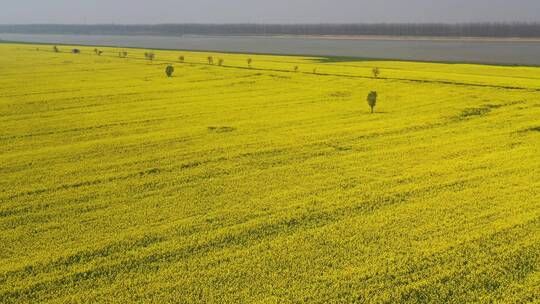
pixel 269 183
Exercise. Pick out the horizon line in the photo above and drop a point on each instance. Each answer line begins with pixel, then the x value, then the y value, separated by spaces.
pixel 286 23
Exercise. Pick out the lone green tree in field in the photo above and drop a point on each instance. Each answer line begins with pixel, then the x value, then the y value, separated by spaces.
pixel 376 72
pixel 122 54
pixel 55 49
pixel 372 100
pixel 169 70
pixel 210 60
pixel 220 62
pixel 249 61
pixel 181 59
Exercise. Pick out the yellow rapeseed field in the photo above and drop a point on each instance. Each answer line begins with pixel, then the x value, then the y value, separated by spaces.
pixel 262 184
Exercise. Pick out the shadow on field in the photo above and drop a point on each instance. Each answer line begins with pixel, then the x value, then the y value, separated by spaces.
pixel 221 129
pixel 533 129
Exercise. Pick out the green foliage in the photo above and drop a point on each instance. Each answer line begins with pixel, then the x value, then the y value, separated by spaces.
pixel 181 58
pixel 376 72
pixel 210 60
pixel 169 70
pixel 372 100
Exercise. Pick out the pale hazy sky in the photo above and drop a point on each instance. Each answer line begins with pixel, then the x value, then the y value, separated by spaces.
pixel 266 11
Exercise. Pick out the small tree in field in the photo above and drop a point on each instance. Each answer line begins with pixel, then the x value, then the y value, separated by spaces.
pixel 372 100
pixel 149 56
pixel 55 49
pixel 249 61
pixel 181 59
pixel 376 72
pixel 220 62
pixel 122 54
pixel 76 51
pixel 210 60
pixel 296 68
pixel 169 70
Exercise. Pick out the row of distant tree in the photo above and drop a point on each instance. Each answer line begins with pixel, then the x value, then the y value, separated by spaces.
pixel 169 69
pixel 524 30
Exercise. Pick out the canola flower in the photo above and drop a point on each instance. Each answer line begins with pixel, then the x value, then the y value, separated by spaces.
pixel 259 184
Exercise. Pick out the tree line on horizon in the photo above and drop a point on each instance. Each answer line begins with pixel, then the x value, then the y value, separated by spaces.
pixel 519 30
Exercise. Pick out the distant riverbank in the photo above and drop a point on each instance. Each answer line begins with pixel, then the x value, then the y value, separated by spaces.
pixel 497 51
